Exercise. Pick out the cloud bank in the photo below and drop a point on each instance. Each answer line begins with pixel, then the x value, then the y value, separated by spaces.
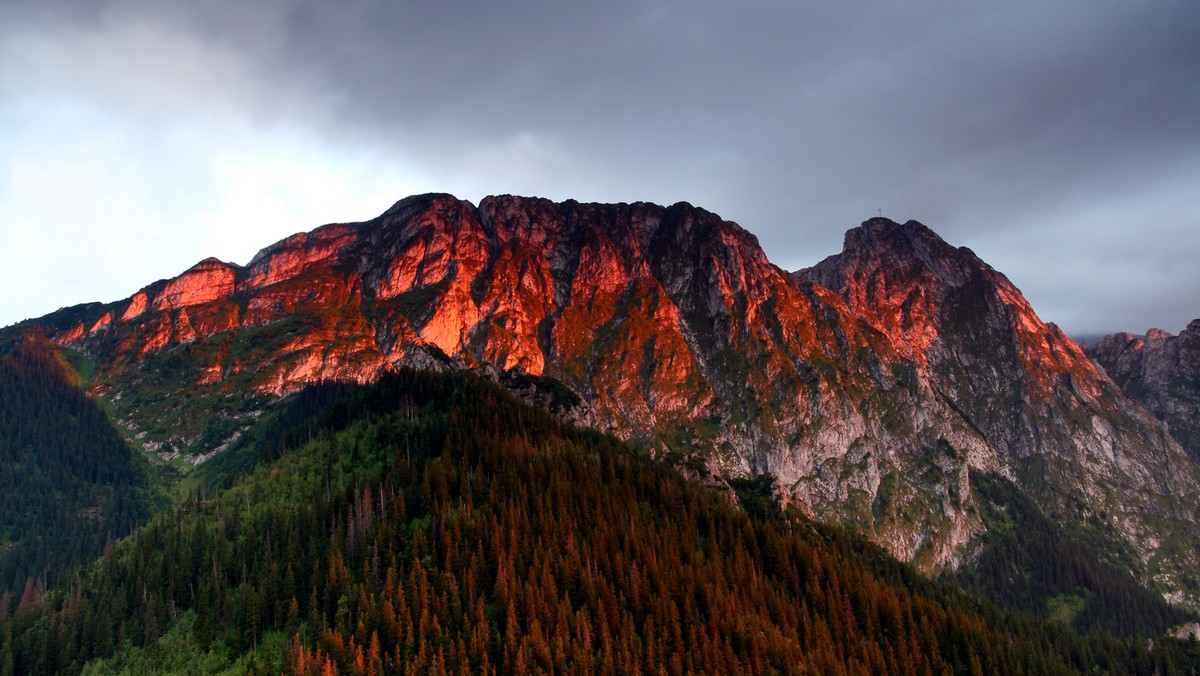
pixel 1058 140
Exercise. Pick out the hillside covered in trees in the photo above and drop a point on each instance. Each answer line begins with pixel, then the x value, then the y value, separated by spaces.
pixel 433 524
pixel 70 483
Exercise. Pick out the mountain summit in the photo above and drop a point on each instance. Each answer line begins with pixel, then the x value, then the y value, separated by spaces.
pixel 873 387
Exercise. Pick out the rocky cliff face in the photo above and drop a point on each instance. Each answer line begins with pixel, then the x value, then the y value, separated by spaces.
pixel 870 386
pixel 1162 372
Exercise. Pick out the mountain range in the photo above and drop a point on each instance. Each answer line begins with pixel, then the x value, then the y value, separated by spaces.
pixel 159 450
pixel 874 389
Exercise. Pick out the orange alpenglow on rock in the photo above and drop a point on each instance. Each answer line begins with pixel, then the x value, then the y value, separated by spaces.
pixel 205 282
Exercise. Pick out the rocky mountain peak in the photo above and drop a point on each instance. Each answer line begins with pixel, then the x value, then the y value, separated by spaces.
pixel 940 303
pixel 911 235
pixel 979 347
pixel 900 252
pixel 897 277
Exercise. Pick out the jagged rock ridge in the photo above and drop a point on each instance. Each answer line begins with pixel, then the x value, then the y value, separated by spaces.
pixel 870 385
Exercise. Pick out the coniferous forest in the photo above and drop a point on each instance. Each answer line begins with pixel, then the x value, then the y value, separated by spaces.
pixel 433 524
pixel 69 481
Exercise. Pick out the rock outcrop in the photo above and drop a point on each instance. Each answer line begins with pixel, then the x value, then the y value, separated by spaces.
pixel 1162 372
pixel 870 386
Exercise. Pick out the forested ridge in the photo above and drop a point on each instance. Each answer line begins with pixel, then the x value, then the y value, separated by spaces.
pixel 69 481
pixel 433 524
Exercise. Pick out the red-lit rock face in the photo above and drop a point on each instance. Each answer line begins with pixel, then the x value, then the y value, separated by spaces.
pixel 900 357
pixel 295 255
pixel 968 329
pixel 207 281
pixel 135 307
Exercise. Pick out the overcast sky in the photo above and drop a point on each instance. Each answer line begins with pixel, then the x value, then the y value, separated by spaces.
pixel 1060 140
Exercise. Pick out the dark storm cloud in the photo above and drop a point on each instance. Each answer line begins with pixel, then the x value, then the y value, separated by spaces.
pixel 999 125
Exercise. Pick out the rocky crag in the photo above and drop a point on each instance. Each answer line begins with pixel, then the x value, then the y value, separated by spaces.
pixel 870 386
pixel 1162 372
